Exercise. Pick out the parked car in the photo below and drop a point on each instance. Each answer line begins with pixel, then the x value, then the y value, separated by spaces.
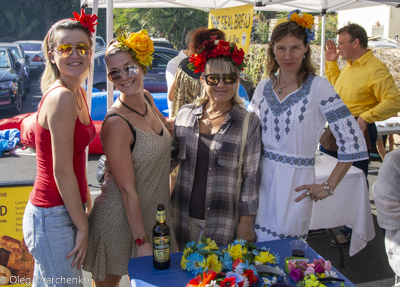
pixel 382 41
pixel 100 41
pixel 162 42
pixel 154 81
pixel 12 81
pixel 18 52
pixel 33 48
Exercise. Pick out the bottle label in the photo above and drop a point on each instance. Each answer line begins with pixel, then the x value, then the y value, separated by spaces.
pixel 161 248
pixel 161 216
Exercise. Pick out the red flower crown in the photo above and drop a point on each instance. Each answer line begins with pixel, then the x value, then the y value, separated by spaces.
pixel 87 21
pixel 214 48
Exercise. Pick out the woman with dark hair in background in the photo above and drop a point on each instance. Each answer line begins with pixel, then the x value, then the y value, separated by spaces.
pixel 294 105
pixel 55 225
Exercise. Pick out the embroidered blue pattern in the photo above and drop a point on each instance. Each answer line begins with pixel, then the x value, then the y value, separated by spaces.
pixel 355 138
pixel 265 119
pixel 291 160
pixel 287 130
pixel 281 236
pixel 353 156
pixel 331 99
pixel 278 108
pixel 303 109
pixel 337 114
pixel 342 141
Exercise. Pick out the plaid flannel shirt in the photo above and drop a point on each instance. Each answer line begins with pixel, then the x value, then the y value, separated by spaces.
pixel 222 173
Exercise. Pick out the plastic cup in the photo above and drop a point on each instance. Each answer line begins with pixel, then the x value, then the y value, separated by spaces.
pixel 298 248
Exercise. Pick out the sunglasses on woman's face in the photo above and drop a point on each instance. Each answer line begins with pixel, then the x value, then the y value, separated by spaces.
pixel 130 71
pixel 65 50
pixel 213 79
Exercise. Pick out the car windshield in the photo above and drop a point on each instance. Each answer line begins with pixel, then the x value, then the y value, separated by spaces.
pixel 4 60
pixel 163 44
pixel 31 46
pixel 16 52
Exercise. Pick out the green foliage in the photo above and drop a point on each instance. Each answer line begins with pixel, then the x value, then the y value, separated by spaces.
pixel 170 23
pixel 256 64
pixel 281 14
pixel 331 24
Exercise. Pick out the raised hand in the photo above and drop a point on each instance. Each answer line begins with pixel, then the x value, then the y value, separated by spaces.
pixel 330 51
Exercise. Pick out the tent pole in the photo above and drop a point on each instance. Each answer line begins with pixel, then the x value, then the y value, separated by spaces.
pixel 323 28
pixel 95 10
pixel 109 37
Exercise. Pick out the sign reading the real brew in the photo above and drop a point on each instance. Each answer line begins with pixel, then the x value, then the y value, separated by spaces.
pixel 16 264
pixel 236 22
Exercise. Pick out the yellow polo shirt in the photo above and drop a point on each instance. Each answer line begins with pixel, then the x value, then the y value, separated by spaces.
pixel 366 87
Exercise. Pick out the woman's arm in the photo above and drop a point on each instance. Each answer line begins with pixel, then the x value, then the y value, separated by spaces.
pixel 168 123
pixel 61 116
pixel 171 91
pixel 251 181
pixel 117 138
pixel 317 191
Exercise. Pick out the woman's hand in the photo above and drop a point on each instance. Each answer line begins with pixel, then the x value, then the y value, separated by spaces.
pixel 314 191
pixel 245 228
pixel 330 51
pixel 145 250
pixel 81 242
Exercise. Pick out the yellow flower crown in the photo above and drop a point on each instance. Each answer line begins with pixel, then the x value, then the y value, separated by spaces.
pixel 139 45
pixel 304 20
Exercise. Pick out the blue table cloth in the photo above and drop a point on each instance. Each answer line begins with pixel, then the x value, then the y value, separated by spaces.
pixel 143 274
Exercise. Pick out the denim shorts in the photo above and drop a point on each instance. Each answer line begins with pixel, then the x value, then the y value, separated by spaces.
pixel 49 234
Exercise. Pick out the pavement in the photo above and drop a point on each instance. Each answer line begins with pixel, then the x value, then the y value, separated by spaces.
pixel 367 268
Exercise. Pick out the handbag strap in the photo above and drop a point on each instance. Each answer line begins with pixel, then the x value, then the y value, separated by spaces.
pixel 245 131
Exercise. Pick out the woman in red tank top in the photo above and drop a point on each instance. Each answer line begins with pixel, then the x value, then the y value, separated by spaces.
pixel 55 222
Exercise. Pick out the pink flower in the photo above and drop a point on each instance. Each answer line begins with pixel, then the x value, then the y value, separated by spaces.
pixel 291 265
pixel 309 270
pixel 328 266
pixel 296 274
pixel 303 264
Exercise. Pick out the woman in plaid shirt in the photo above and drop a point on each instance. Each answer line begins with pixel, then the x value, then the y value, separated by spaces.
pixel 206 144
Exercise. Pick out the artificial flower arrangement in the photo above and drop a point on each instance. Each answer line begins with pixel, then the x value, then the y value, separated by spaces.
pixel 139 45
pixel 86 20
pixel 304 20
pixel 240 264
pixel 307 275
pixel 214 48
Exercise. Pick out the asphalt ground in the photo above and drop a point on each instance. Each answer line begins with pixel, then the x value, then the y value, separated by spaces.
pixel 367 268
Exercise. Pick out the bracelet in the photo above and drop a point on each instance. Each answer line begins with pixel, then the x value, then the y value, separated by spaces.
pixel 327 187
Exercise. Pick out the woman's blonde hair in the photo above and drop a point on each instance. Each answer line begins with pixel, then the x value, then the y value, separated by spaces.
pixel 51 72
pixel 226 67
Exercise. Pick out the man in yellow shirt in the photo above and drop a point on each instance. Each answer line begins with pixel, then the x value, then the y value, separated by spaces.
pixel 365 86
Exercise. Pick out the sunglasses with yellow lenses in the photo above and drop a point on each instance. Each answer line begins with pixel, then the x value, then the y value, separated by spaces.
pixel 130 71
pixel 213 79
pixel 65 50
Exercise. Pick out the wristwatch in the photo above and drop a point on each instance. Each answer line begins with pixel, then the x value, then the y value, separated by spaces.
pixel 140 241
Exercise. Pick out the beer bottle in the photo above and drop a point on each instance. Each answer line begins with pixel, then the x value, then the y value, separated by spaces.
pixel 161 241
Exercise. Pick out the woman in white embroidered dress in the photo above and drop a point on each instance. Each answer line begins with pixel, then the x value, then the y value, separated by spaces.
pixel 294 105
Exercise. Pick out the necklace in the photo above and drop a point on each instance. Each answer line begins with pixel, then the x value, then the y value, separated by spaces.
pixel 76 97
pixel 280 87
pixel 143 115
pixel 208 120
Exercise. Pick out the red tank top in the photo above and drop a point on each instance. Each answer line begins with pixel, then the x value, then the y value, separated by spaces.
pixel 45 192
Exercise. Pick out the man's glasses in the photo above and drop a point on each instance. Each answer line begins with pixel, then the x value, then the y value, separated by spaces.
pixel 213 79
pixel 130 71
pixel 65 50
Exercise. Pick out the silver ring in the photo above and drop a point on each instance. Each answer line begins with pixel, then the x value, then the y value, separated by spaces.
pixel 308 194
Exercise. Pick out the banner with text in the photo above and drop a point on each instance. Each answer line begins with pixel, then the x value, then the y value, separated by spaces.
pixel 16 264
pixel 236 22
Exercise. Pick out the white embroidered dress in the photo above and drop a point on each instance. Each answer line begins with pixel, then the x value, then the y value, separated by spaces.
pixel 291 130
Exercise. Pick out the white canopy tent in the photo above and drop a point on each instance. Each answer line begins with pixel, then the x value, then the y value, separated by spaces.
pixel 321 6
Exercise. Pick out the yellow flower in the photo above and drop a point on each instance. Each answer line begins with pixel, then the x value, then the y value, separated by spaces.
pixel 213 263
pixel 312 281
pixel 236 251
pixel 212 245
pixel 265 257
pixel 142 45
pixel 183 263
pixel 321 275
